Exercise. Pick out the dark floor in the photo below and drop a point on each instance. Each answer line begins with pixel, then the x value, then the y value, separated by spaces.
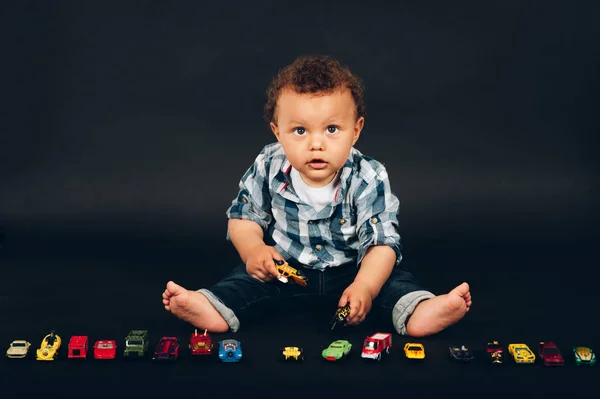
pixel 104 285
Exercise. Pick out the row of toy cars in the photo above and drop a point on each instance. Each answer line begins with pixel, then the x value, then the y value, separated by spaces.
pixel 374 347
pixel 136 346
pixel 547 351
pixel 48 350
pixel 380 344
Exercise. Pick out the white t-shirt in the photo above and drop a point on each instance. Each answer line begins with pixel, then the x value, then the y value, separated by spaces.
pixel 317 197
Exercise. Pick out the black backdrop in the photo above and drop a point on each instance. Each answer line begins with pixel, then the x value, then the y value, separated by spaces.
pixel 127 126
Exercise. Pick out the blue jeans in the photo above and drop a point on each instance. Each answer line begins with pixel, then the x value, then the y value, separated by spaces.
pixel 244 300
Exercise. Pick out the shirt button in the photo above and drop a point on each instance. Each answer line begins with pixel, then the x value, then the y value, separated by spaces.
pixel 342 221
pixel 374 220
pixel 318 247
pixel 310 222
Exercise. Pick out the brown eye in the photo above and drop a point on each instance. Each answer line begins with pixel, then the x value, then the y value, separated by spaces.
pixel 299 131
pixel 332 129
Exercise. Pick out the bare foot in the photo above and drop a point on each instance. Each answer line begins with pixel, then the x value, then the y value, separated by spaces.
pixel 193 307
pixel 433 315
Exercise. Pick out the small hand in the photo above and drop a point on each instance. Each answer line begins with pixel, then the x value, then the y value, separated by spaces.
pixel 360 302
pixel 260 264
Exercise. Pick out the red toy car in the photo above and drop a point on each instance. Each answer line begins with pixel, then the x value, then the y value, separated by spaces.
pixel 550 354
pixel 200 344
pixel 167 349
pixel 376 346
pixel 78 347
pixel 105 349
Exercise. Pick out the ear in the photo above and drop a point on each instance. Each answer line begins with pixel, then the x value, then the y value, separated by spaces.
pixel 275 130
pixel 358 127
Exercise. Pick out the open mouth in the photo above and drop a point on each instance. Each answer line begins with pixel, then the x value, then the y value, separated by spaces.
pixel 317 163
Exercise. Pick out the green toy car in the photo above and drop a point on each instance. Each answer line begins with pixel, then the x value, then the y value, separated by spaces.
pixel 136 344
pixel 584 355
pixel 337 350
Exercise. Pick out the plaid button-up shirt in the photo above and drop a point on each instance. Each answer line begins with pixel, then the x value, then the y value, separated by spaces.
pixel 364 212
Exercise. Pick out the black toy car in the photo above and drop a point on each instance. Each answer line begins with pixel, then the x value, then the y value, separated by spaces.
pixel 494 350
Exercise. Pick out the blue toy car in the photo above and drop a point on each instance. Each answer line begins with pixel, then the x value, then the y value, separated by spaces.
pixel 230 350
pixel 461 353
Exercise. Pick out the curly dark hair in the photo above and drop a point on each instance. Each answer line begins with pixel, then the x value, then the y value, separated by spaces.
pixel 314 74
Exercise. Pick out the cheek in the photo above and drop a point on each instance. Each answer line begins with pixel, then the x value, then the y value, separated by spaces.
pixel 292 152
pixel 341 154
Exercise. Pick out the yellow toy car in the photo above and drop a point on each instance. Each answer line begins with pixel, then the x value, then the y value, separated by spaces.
pixel 292 353
pixel 413 350
pixel 521 353
pixel 49 348
pixel 289 273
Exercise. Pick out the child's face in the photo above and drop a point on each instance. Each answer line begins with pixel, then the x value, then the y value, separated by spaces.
pixel 317 132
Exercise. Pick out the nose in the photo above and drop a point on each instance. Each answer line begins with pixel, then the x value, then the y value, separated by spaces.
pixel 317 142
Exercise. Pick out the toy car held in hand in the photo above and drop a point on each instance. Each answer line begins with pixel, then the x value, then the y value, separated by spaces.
pixel 287 272
pixel 340 315
pixel 292 353
pixel 230 350
pixel 49 348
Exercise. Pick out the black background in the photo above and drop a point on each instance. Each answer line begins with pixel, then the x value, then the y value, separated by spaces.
pixel 127 125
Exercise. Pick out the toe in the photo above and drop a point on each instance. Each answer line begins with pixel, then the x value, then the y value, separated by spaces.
pixel 174 289
pixel 461 290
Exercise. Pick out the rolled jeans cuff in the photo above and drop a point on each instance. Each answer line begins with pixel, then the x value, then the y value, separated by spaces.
pixel 405 306
pixel 224 311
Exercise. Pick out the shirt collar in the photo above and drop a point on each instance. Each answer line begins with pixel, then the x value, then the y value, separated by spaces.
pixel 283 176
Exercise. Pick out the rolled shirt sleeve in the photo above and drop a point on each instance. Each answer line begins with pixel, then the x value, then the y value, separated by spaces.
pixel 253 201
pixel 377 216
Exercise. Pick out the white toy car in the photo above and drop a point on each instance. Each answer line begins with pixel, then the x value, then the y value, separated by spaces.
pixel 18 349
